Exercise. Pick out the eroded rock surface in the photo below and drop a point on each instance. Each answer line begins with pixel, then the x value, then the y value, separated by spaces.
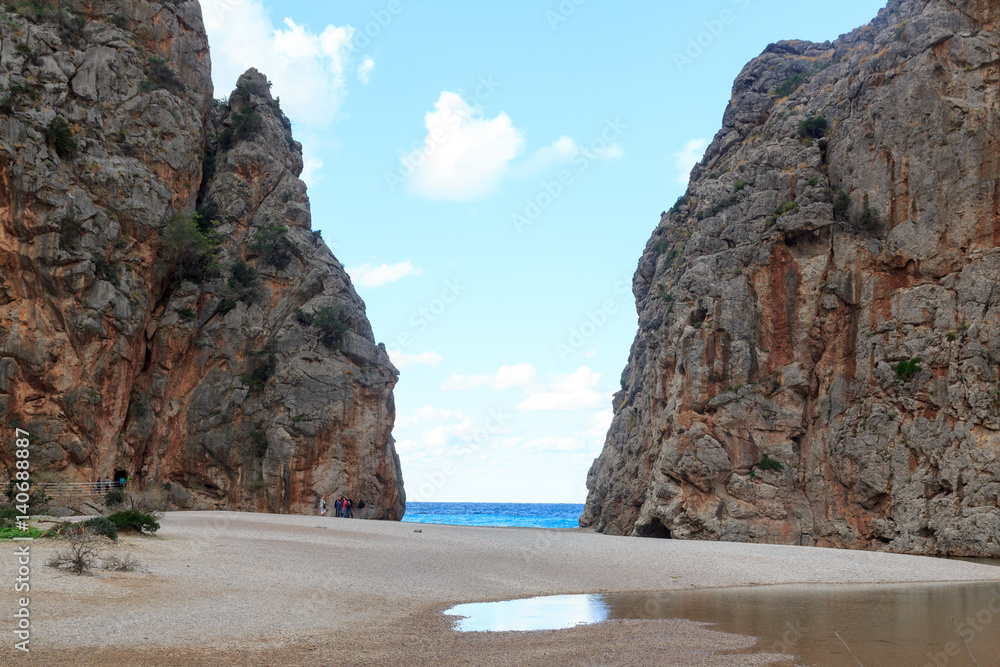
pixel 819 317
pixel 247 377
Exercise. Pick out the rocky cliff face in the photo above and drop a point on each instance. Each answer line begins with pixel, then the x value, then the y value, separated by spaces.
pixel 166 310
pixel 819 317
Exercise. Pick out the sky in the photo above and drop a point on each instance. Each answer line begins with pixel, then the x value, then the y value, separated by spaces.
pixel 489 173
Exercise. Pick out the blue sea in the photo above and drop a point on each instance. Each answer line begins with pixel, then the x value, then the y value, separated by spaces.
pixel 528 515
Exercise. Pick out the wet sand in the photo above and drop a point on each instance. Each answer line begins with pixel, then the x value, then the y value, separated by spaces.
pixel 249 589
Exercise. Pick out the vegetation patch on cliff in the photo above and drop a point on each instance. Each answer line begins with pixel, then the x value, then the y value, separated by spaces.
pixel 272 246
pixel 187 252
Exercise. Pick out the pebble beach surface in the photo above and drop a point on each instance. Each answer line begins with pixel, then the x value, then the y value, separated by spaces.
pixel 229 588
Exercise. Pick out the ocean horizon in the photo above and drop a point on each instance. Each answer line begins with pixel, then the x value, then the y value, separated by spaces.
pixel 522 515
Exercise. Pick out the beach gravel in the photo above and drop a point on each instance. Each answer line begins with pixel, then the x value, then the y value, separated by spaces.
pixel 235 588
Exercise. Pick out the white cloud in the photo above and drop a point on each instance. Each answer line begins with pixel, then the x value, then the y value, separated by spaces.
pixel 507 377
pixel 686 159
pixel 565 149
pixel 577 391
pixel 427 414
pixel 561 150
pixel 442 434
pixel 369 275
pixel 600 422
pixel 403 360
pixel 464 154
pixel 311 164
pixel 612 152
pixel 307 68
pixel 365 69
pixel 437 428
pixel 408 447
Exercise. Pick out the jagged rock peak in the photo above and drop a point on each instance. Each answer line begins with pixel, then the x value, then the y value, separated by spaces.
pixel 819 334
pixel 166 310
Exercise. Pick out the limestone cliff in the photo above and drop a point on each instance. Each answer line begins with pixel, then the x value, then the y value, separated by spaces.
pixel 819 316
pixel 166 310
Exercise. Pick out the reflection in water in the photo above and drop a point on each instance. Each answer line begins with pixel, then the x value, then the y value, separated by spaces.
pixel 884 625
pixel 553 612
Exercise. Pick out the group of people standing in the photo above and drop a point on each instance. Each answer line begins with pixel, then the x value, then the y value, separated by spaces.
pixel 344 507
pixel 107 484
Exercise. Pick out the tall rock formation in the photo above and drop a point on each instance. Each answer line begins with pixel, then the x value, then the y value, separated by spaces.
pixel 166 310
pixel 819 316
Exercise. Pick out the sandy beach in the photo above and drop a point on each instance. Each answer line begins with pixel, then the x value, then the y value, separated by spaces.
pixel 253 589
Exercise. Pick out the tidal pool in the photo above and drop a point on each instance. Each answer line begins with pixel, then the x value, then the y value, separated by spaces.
pixel 891 624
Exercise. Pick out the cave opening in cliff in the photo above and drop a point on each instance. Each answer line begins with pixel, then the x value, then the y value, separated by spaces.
pixel 119 478
pixel 654 528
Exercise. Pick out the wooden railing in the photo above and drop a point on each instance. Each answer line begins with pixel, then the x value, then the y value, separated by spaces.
pixel 72 488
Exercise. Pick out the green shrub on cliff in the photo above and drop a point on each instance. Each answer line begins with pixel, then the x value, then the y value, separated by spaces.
pixel 331 324
pixel 272 246
pixel 786 207
pixel 59 136
pixel 161 76
pixel 662 246
pixel 841 206
pixel 187 252
pixel 868 219
pixel 770 464
pixel 260 368
pixel 905 370
pixel 681 201
pixel 244 282
pixel 244 124
pixel 280 115
pixel 791 85
pixel 259 440
pixel 34 10
pixel 813 127
pixel 303 318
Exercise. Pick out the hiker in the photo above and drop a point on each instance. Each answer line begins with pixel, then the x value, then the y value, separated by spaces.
pixel 322 506
pixel 107 485
pixel 361 509
pixel 349 508
pixel 338 505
